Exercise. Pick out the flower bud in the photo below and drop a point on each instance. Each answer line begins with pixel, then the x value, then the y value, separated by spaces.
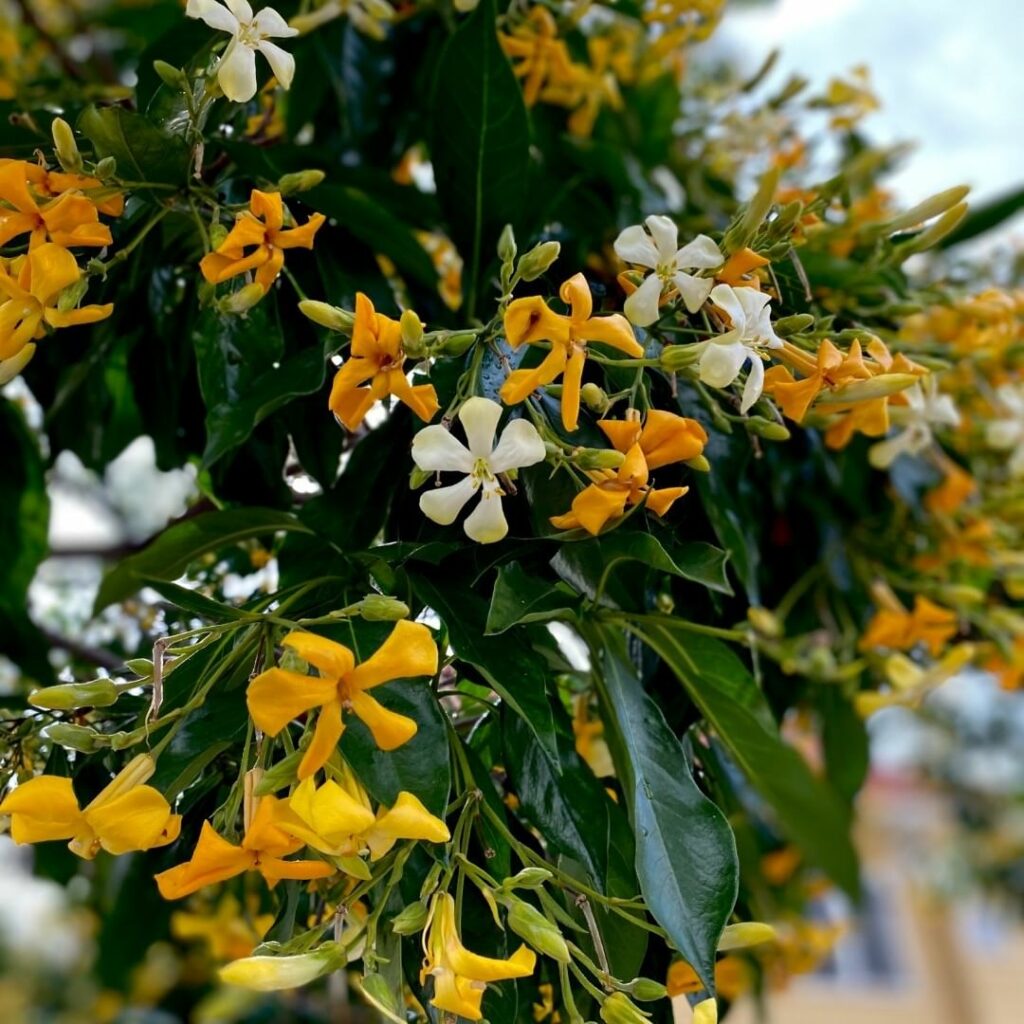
pixel 788 325
pixel 66 147
pixel 594 397
pixel 864 390
pixel 597 458
pixel 171 76
pixel 765 622
pixel 741 234
pixel 538 260
pixel 411 328
pixel 677 357
pixel 665 603
pixel 933 234
pixel 100 693
pixel 242 300
pixel 70 297
pixel 618 1008
pixel 768 429
pixel 530 924
pixel 647 990
pixel 142 667
pixel 379 608
pixel 218 233
pixel 272 973
pixel 328 316
pixel 746 933
pixel 299 181
pixel 454 344
pixel 507 245
pixel 961 593
pixel 528 878
pixel 411 920
pixel 76 737
pixel 106 168
pixel 699 463
pixel 931 207
pixel 279 775
pixel 706 1012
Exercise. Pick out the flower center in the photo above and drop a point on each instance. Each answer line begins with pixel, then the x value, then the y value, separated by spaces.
pixel 249 34
pixel 481 472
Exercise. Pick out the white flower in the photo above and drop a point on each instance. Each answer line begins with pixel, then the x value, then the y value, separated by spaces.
pixel 725 354
pixel 926 408
pixel 434 450
pixel 1007 432
pixel 657 251
pixel 369 16
pixel 236 71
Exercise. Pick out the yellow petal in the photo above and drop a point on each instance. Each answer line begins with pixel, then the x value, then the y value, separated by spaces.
pixel 331 659
pixel 213 860
pixel 407 819
pixel 52 268
pixel 408 651
pixel 137 820
pixel 276 696
pixel 41 809
pixel 328 816
pixel 390 729
pixel 329 727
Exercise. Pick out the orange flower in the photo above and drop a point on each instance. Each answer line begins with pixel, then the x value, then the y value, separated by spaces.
pixel 830 369
pixel 376 355
pixel 956 487
pixel 56 183
pixel 538 56
pixel 663 439
pixel 262 849
pixel 529 320
pixel 899 630
pixel 261 230
pixel 733 977
pixel 740 269
pixel 1009 671
pixel 69 220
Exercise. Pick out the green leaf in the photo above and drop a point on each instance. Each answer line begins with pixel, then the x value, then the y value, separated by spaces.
pixel 520 598
pixel 167 557
pixel 685 851
pixel 807 809
pixel 143 152
pixel 587 565
pixel 985 217
pixel 514 671
pixel 844 739
pixel 189 600
pixel 479 142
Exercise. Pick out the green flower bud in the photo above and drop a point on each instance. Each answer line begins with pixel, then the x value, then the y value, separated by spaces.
pixel 618 1008
pixel 768 429
pixel 788 325
pixel 528 878
pixel 594 397
pixel 786 218
pixel 70 297
pixel 66 147
pixel 171 76
pixel 597 458
pixel 507 245
pixel 934 234
pixel 279 775
pixel 530 924
pixel 77 737
pixel 677 357
pixel 664 603
pixel 862 390
pixel 931 207
pixel 106 168
pixel 379 608
pixel 538 260
pixel 142 667
pixel 217 235
pixel 765 622
pixel 699 463
pixel 299 181
pixel 242 300
pixel 454 344
pixel 646 990
pixel 742 233
pixel 411 920
pixel 100 693
pixel 328 316
pixel 746 933
pixel 273 973
pixel 418 477
pixel 412 334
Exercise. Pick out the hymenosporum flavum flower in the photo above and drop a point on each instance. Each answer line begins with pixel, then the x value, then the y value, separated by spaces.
pixel 657 250
pixel 530 320
pixel 481 460
pixel 257 242
pixel 917 410
pixel 897 629
pixel 377 355
pixel 751 333
pixel 277 695
pixel 236 69
pixel 125 816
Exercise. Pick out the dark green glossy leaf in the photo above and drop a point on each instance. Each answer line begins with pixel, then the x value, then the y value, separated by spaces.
pixel 807 810
pixel 172 551
pixel 143 152
pixel 845 742
pixel 520 598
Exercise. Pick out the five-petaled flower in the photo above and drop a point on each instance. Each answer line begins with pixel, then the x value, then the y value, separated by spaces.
pixel 261 231
pixel 530 320
pixel 277 695
pixel 662 439
pixel 899 630
pixel 461 977
pixel 435 449
pixel 751 332
pixel 236 70
pixel 657 250
pixel 917 410
pixel 376 355
pixel 263 849
pixel 124 816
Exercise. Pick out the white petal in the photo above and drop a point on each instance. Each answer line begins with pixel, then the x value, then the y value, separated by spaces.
pixel 281 62
pixel 634 245
pixel 754 303
pixel 214 14
pixel 1004 434
pixel 479 418
pixel 269 23
pixel 1011 398
pixel 666 236
pixel 885 453
pixel 720 364
pixel 701 253
pixel 641 308
pixel 435 449
pixel 443 504
pixel 694 290
pixel 520 445
pixel 486 523
pixel 754 385
pixel 240 9
pixel 724 296
pixel 236 72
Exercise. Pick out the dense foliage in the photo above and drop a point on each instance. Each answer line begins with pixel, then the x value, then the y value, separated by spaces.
pixel 579 423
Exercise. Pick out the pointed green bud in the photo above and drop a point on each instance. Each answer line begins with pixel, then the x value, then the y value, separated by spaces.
pixel 699 464
pixel 746 933
pixel 411 919
pixel 507 245
pixel 379 608
pixel 100 693
pixel 768 429
pixel 418 477
pixel 218 233
pixel 172 77
pixel 787 325
pixel 282 773
pixel 274 973
pixel 326 315
pixel 71 296
pixel 77 737
pixel 931 207
pixel 106 168
pixel 766 622
pixel 142 667
pixel 594 397
pixel 677 357
pixel 299 181
pixel 454 344
pixel 528 878
pixel 864 390
pixel 597 458
pixel 411 328
pixel 618 1008
pixel 241 301
pixel 742 233
pixel 934 234
pixel 532 926
pixel 65 146
pixel 538 260
pixel 647 990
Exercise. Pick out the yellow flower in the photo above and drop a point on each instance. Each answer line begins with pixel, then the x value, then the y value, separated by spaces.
pixel 261 231
pixel 277 695
pixel 69 220
pixel 31 288
pixel 829 369
pixel 538 56
pixel 528 321
pixel 461 977
pixel 125 816
pixel 662 439
pixel 377 356
pixel 957 486
pixel 899 630
pixel 229 933
pixel 590 741
pixel 262 849
pixel 733 977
